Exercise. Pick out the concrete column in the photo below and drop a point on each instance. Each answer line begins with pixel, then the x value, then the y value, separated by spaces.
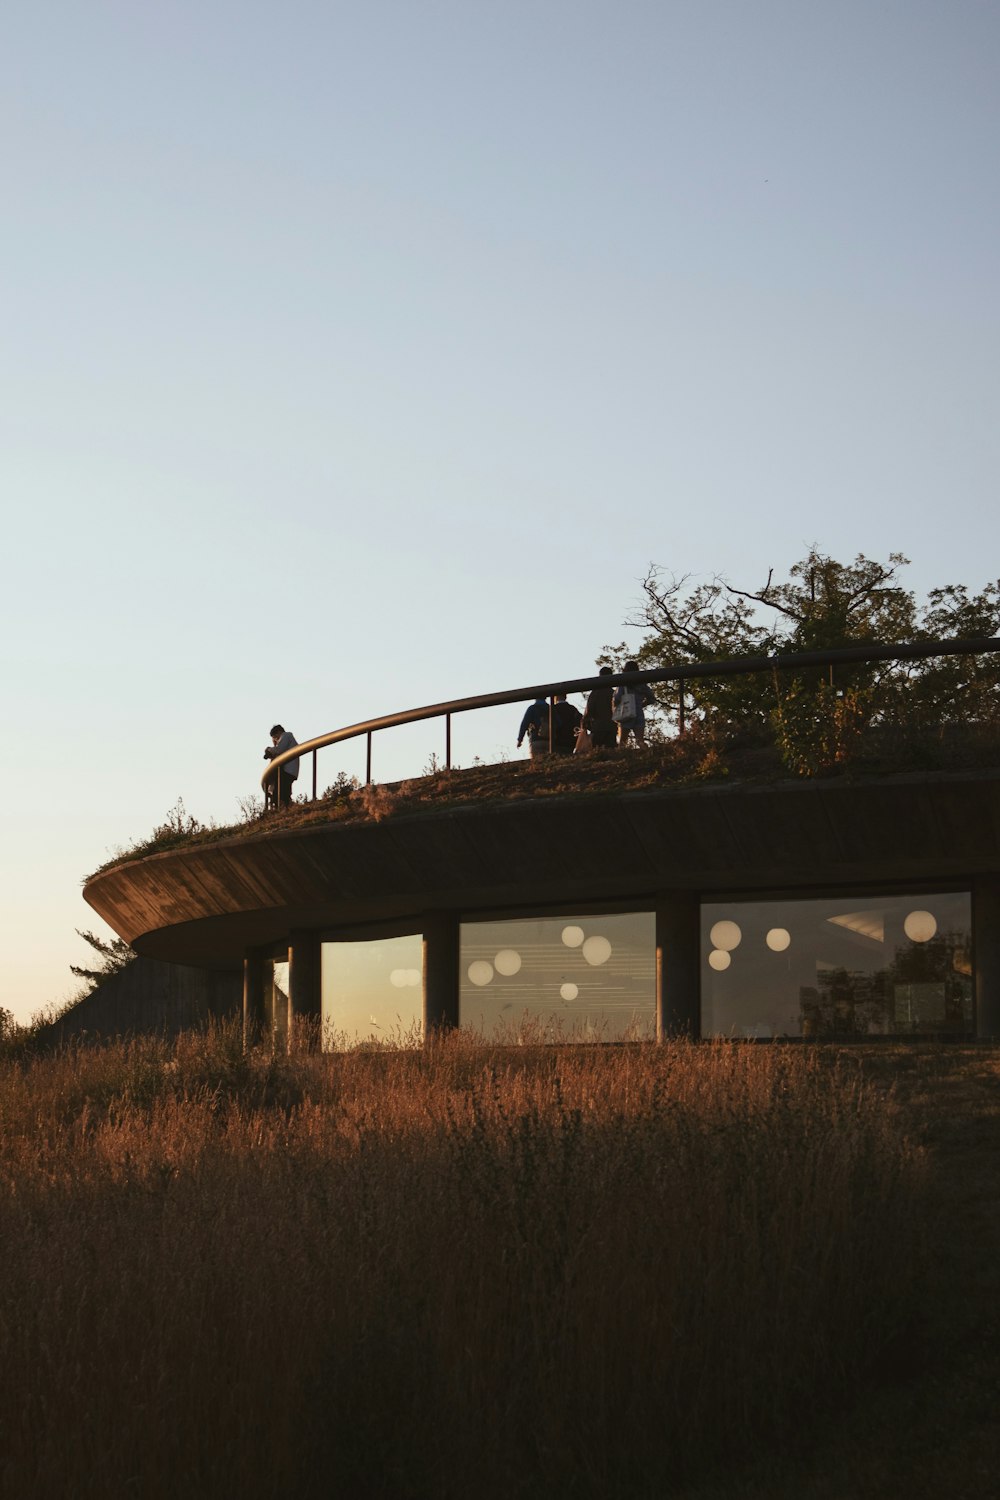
pixel 441 981
pixel 304 974
pixel 254 1007
pixel 986 953
pixel 678 965
pixel 304 995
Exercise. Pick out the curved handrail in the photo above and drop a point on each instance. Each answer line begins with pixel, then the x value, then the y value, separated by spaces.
pixel 680 673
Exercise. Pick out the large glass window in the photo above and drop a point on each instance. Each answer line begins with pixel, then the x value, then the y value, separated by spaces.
pixel 560 978
pixel 373 992
pixel 857 966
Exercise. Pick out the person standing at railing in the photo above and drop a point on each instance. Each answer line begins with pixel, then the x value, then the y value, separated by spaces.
pixel 597 718
pixel 629 708
pixel 281 786
pixel 566 721
pixel 535 725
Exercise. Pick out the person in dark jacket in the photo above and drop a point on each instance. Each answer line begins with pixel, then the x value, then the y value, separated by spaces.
pixel 597 718
pixel 535 725
pixel 566 720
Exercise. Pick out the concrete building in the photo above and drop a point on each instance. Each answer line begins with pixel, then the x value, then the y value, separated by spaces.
pixel 813 909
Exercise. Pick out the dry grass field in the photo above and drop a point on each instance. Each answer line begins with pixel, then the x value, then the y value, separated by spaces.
pixel 704 1271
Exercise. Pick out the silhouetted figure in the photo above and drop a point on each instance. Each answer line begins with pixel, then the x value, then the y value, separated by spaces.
pixel 279 787
pixel 628 710
pixel 597 718
pixel 566 721
pixel 535 725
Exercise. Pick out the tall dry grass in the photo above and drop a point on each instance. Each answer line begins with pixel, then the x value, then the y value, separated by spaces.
pixel 461 1271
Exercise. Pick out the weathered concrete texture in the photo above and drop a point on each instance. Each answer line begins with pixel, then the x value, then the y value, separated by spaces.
pixel 208 904
pixel 151 997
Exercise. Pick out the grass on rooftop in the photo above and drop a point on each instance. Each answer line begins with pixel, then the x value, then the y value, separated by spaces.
pixel 691 760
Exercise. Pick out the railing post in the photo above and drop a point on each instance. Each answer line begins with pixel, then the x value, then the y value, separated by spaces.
pixel 368 761
pixel 315 753
pixel 447 742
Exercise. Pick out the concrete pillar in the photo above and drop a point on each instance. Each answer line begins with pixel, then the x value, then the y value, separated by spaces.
pixel 986 953
pixel 304 974
pixel 441 979
pixel 678 965
pixel 304 994
pixel 254 1006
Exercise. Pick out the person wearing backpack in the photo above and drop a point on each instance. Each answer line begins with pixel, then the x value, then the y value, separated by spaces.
pixel 629 709
pixel 535 725
pixel 566 720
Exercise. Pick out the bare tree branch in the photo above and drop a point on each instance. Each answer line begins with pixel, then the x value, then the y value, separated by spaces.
pixel 662 601
pixel 764 598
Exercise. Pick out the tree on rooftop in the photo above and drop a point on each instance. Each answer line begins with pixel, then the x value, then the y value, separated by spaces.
pixel 823 604
pixel 817 716
pixel 956 689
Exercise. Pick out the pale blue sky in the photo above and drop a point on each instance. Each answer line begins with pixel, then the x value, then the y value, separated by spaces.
pixel 356 357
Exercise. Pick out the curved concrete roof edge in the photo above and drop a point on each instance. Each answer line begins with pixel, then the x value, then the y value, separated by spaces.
pixel 208 903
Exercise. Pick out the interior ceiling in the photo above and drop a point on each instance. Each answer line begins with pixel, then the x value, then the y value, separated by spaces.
pixel 870 924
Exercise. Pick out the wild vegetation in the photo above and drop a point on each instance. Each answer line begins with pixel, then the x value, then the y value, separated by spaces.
pixel 451 1271
pixel 818 720
pixel 708 1272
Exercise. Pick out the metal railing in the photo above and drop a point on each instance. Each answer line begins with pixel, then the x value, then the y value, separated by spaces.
pixel 680 674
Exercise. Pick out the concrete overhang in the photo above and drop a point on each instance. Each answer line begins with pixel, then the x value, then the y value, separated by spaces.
pixel 206 904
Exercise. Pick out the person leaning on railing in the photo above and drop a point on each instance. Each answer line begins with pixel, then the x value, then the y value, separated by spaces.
pixel 280 787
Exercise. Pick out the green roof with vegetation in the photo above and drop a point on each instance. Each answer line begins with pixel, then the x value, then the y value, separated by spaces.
pixel 863 718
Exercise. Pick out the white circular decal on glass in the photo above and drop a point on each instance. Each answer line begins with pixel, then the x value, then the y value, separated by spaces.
pixel 398 977
pixel 480 972
pixel 778 939
pixel 507 961
pixel 569 991
pixel 572 936
pixel 719 959
pixel 597 950
pixel 920 926
pixel 726 935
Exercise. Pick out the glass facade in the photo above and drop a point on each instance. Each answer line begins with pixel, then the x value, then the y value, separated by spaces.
pixel 848 966
pixel 567 979
pixel 372 992
pixel 854 966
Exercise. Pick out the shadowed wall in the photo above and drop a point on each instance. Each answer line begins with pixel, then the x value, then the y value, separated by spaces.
pixel 150 997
